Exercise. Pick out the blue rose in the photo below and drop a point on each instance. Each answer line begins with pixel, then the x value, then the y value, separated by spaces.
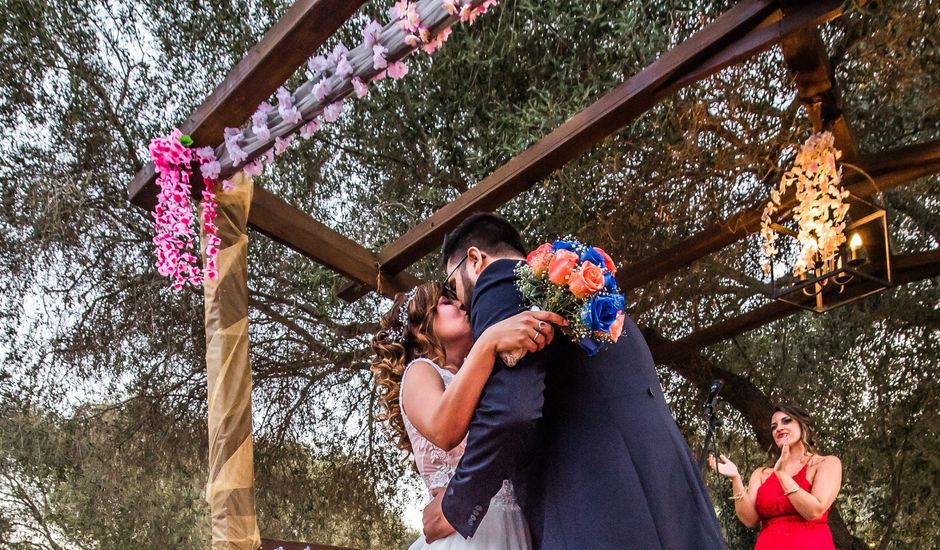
pixel 593 256
pixel 567 245
pixel 601 311
pixel 591 346
pixel 610 283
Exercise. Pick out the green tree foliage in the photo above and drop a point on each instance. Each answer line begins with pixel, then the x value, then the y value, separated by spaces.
pixel 103 380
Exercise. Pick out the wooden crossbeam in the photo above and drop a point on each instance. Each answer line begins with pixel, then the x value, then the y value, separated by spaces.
pixel 775 29
pixel 733 37
pixel 580 132
pixel 889 169
pixel 908 268
pixel 806 56
pixel 305 26
pixel 289 226
pixel 286 46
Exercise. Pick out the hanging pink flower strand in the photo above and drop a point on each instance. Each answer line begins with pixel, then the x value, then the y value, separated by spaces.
pixel 175 237
pixel 213 242
pixel 174 217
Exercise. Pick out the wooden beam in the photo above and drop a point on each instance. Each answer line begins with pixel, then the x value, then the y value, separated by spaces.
pixel 908 268
pixel 434 17
pixel 889 169
pixel 775 29
pixel 578 133
pixel 305 26
pixel 806 56
pixel 562 145
pixel 767 32
pixel 290 226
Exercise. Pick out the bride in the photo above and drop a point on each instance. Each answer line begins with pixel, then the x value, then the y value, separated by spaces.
pixel 432 374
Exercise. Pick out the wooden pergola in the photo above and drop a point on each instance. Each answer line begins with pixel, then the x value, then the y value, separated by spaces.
pixel 750 27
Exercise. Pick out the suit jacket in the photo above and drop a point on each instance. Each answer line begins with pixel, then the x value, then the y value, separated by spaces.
pixel 589 443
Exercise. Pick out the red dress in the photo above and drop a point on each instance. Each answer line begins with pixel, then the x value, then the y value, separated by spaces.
pixel 782 527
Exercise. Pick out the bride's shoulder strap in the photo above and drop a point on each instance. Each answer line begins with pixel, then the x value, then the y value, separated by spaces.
pixel 420 360
pixel 404 374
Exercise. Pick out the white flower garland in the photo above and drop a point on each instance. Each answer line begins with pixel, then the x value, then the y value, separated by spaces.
pixel 820 210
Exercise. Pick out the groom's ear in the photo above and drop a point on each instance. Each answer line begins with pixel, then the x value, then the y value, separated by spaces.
pixel 476 260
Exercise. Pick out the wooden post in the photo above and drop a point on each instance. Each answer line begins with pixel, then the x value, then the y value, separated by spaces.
pixel 231 486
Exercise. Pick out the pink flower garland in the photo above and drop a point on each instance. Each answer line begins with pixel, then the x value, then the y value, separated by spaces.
pixel 173 215
pixel 213 242
pixel 210 168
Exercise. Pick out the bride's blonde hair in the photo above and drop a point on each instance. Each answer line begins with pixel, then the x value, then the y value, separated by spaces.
pixel 395 346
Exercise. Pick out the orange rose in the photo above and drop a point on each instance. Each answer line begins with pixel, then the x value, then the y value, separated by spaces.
pixel 616 327
pixel 539 258
pixel 561 265
pixel 586 280
pixel 608 262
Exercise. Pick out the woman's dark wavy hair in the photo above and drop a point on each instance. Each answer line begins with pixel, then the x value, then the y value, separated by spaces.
pixel 392 355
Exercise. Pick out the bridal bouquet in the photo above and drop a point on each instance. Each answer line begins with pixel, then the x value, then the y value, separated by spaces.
pixel 576 281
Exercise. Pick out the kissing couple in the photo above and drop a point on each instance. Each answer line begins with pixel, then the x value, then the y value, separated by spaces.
pixel 560 451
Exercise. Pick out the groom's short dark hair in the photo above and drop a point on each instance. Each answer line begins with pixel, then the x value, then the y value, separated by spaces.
pixel 490 233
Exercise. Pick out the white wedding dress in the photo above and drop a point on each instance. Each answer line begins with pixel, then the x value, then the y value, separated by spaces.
pixel 502 528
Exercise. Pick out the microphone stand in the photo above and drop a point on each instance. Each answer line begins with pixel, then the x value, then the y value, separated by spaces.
pixel 711 415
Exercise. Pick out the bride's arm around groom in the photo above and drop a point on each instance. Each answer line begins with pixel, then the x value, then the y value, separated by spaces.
pixel 510 406
pixel 504 420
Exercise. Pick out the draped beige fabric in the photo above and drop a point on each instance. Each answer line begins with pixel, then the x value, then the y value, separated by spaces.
pixel 231 487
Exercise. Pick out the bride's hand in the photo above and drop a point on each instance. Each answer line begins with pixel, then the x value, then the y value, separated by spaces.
pixel 723 466
pixel 529 331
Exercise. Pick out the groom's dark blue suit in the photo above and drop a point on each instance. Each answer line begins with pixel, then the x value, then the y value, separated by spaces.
pixel 589 443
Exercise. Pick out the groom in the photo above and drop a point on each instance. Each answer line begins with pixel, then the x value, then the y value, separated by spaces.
pixel 589 443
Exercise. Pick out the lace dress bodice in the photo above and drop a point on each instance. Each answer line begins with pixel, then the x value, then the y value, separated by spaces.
pixel 435 465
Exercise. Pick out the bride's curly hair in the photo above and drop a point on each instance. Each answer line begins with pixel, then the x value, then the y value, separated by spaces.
pixel 393 353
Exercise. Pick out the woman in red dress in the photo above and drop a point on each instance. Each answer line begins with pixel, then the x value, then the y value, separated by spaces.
pixel 790 500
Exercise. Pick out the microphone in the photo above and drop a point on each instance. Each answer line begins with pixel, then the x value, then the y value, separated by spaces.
pixel 713 390
pixel 713 422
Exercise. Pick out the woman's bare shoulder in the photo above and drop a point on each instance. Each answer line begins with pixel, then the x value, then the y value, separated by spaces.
pixel 761 474
pixel 825 461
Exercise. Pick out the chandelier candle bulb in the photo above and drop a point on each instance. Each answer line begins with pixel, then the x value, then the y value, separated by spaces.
pixel 854 244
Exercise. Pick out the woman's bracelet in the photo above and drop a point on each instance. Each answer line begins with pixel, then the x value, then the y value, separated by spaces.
pixel 736 497
pixel 788 493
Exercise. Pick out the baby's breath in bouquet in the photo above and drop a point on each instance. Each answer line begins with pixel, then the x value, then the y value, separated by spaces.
pixel 576 281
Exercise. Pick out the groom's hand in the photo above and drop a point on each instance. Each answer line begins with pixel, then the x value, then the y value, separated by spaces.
pixel 436 525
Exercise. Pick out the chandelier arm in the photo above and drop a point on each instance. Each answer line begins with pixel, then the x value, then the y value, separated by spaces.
pixel 863 173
